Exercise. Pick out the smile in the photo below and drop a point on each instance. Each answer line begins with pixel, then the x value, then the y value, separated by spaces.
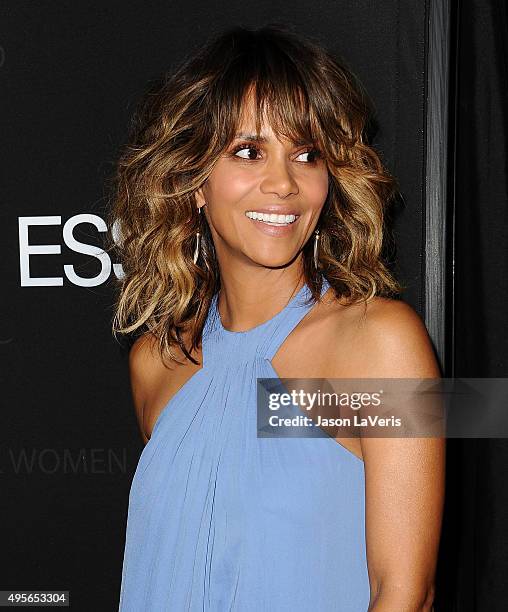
pixel 272 218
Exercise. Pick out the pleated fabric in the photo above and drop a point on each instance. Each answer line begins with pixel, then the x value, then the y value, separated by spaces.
pixel 220 519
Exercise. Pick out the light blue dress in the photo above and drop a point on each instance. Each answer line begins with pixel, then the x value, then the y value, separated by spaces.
pixel 220 519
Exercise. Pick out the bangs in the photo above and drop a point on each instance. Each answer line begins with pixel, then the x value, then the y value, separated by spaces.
pixel 284 107
pixel 283 92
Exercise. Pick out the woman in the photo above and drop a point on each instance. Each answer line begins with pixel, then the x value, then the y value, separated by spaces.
pixel 221 293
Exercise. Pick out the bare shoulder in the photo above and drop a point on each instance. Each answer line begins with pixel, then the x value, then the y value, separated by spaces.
pixel 142 355
pixel 398 341
pixel 154 382
pixel 147 373
pixel 145 364
pixel 384 314
pixel 144 370
pixel 383 338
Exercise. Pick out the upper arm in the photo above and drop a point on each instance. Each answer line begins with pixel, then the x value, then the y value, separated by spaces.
pixel 141 372
pixel 404 477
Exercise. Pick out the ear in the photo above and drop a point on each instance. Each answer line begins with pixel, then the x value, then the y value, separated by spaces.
pixel 200 199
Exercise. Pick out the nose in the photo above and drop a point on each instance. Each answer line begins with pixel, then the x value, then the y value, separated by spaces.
pixel 278 178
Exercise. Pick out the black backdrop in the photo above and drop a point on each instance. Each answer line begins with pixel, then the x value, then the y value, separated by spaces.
pixel 475 549
pixel 71 74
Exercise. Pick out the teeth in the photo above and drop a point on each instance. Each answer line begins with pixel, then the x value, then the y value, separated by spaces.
pixel 271 218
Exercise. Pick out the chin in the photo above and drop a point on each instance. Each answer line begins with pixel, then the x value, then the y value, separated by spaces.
pixel 271 261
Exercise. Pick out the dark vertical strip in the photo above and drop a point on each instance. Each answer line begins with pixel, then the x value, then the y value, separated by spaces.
pixel 481 291
pixel 436 171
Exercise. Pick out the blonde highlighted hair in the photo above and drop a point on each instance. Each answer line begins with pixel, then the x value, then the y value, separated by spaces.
pixel 179 130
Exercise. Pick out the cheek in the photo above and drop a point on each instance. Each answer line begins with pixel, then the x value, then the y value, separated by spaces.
pixel 316 189
pixel 230 185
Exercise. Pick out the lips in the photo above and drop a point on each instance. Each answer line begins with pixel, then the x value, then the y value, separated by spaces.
pixel 274 229
pixel 277 210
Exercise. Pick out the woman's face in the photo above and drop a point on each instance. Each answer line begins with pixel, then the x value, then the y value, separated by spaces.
pixel 271 177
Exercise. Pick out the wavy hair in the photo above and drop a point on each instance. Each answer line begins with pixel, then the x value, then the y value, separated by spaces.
pixel 180 128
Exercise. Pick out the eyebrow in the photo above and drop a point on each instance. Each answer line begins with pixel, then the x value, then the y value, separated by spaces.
pixel 251 137
pixel 264 139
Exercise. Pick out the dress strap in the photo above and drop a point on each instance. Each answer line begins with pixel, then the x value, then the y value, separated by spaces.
pixel 292 314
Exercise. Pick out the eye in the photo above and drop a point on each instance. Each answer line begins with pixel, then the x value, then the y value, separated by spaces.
pixel 244 147
pixel 314 153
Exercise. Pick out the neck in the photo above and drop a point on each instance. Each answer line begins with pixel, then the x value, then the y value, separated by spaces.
pixel 247 299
